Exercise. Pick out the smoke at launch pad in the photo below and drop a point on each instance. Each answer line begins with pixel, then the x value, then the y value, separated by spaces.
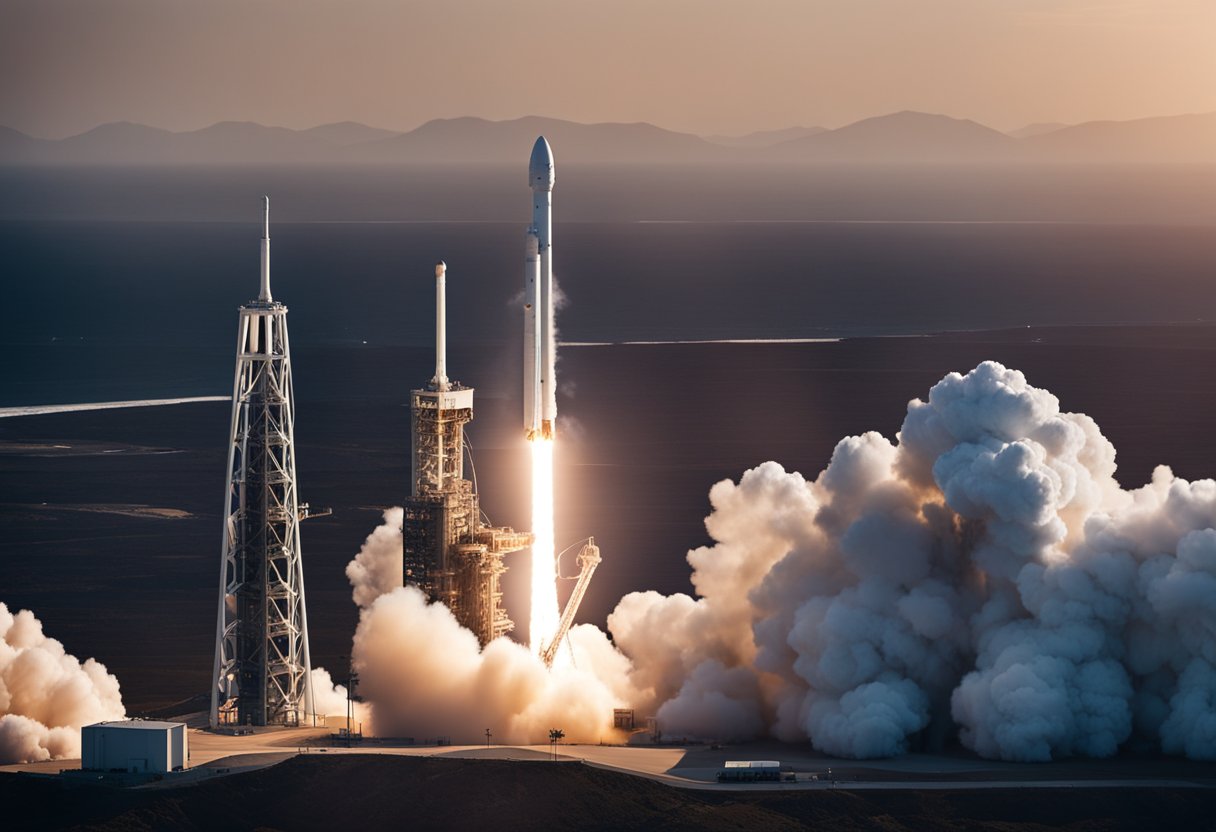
pixel 983 575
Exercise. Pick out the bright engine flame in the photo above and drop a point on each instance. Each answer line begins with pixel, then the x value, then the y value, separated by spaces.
pixel 545 615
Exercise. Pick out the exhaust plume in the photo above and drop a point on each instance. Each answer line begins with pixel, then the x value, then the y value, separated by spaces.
pixel 983 577
pixel 47 694
pixel 426 676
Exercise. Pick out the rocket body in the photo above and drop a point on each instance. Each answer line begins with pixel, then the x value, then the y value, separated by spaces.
pixel 541 390
pixel 532 406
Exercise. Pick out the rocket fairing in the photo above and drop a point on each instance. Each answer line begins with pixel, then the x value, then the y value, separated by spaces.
pixel 540 359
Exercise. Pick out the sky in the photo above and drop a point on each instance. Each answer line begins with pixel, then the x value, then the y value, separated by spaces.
pixel 702 66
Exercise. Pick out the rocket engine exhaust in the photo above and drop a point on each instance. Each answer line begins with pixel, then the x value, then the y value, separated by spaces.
pixel 545 616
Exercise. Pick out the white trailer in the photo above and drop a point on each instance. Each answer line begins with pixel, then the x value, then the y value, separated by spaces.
pixel 749 771
pixel 134 745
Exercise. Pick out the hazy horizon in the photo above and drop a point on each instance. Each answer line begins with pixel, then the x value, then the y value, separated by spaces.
pixel 716 68
pixel 1011 131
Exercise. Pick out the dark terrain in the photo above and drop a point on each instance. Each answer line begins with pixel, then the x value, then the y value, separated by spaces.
pixel 380 792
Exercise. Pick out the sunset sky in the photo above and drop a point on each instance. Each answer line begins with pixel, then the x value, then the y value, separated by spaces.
pixel 703 66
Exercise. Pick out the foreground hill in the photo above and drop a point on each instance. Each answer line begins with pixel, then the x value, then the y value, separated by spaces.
pixel 380 792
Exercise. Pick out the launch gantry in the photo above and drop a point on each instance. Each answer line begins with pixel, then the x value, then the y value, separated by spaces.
pixel 261 674
pixel 448 551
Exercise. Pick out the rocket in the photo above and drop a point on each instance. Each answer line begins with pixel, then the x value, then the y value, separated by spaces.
pixel 540 345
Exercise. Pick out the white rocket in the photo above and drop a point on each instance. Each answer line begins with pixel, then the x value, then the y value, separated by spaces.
pixel 540 346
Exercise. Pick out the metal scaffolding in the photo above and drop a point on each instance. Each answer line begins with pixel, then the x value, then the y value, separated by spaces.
pixel 261 673
pixel 448 551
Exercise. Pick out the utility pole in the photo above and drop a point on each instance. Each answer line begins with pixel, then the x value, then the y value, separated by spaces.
pixel 350 703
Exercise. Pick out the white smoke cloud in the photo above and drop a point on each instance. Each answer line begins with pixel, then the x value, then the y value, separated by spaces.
pixel 987 566
pixel 46 694
pixel 377 568
pixel 330 699
pixel 426 676
pixel 984 575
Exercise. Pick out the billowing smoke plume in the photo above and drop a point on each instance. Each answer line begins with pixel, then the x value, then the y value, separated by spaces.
pixel 984 576
pixel 379 566
pixel 46 695
pixel 426 676
pixel 331 700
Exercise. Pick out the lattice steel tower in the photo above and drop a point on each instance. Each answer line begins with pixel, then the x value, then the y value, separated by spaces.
pixel 262 669
pixel 450 553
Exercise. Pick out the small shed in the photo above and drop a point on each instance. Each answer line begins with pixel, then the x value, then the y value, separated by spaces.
pixel 134 745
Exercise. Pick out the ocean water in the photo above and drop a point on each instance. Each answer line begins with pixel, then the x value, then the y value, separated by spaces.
pixel 126 310
pixel 1109 312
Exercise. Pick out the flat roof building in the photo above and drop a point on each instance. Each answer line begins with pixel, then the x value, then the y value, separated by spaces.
pixel 134 745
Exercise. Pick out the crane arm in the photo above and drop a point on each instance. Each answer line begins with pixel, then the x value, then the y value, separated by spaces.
pixel 588 560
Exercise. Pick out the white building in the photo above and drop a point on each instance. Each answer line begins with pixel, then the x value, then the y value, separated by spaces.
pixel 134 745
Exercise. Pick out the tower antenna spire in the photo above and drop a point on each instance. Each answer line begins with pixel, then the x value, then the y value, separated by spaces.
pixel 264 294
pixel 441 334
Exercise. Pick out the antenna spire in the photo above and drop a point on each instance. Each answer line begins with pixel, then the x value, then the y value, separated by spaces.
pixel 264 294
pixel 441 336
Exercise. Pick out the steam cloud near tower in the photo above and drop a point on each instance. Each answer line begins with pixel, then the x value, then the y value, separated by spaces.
pixel 984 574
pixel 47 694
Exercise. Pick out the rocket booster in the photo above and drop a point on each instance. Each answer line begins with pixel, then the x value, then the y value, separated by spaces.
pixel 540 344
pixel 532 406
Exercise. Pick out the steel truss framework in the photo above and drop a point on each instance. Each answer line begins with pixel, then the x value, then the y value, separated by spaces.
pixel 262 667
pixel 448 552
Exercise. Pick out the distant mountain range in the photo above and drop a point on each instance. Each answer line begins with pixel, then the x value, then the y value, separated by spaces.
pixel 899 138
pixel 766 138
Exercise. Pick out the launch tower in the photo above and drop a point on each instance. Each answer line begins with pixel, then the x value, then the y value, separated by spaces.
pixel 262 671
pixel 450 553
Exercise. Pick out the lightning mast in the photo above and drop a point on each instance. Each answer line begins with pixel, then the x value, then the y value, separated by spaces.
pixel 262 670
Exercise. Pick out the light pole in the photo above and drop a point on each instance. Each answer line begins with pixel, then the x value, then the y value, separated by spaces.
pixel 351 682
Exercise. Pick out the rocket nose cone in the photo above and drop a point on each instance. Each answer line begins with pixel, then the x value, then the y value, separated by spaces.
pixel 540 166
